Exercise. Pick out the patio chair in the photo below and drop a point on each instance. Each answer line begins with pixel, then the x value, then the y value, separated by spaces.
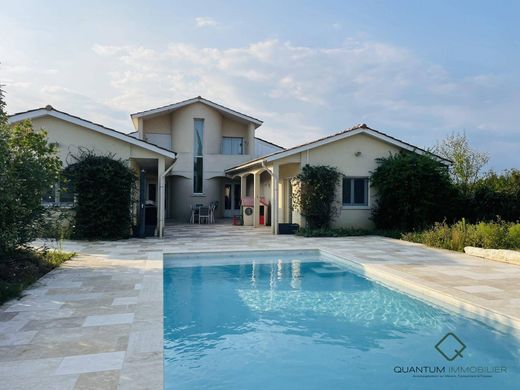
pixel 194 213
pixel 204 214
pixel 212 207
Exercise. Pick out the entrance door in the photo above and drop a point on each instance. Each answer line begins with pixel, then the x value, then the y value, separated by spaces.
pixel 231 199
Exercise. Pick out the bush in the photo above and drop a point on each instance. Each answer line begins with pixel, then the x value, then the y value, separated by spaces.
pixel 489 235
pixel 29 166
pixel 103 186
pixel 414 191
pixel 315 194
pixel 347 232
pixel 495 195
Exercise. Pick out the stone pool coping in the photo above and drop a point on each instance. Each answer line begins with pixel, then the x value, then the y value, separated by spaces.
pixel 97 321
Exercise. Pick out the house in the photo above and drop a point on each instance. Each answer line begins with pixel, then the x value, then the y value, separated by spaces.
pixel 200 152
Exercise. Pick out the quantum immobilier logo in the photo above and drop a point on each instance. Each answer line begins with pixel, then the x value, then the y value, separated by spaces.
pixel 450 347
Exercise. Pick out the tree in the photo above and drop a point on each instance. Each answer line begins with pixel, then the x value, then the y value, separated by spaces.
pixel 414 191
pixel 29 166
pixel 467 162
pixel 315 193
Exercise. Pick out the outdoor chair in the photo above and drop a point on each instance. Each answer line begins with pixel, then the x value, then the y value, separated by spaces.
pixel 204 214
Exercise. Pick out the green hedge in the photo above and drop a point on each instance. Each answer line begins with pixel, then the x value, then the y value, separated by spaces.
pixel 489 235
pixel 103 186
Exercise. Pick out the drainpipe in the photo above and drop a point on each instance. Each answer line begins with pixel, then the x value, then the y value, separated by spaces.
pixel 162 200
pixel 274 219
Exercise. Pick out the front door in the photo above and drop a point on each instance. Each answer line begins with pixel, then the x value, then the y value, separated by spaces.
pixel 231 199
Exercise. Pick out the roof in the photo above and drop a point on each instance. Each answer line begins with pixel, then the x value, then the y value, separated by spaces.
pixel 270 143
pixel 361 128
pixel 198 99
pixel 51 111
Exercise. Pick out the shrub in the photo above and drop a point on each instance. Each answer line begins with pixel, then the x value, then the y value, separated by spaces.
pixel 414 191
pixel 29 166
pixel 346 232
pixel 491 235
pixel 315 194
pixel 104 187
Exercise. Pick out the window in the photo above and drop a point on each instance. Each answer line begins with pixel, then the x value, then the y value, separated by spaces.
pixel 232 145
pixel 355 191
pixel 66 193
pixel 198 162
pixel 59 194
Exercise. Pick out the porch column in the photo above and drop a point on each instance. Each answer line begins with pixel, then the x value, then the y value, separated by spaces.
pixel 243 184
pixel 161 195
pixel 256 197
pixel 274 198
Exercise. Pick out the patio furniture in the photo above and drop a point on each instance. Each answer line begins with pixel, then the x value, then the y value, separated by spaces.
pixel 204 214
pixel 194 215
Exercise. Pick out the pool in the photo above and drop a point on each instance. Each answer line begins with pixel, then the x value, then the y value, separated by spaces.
pixel 303 320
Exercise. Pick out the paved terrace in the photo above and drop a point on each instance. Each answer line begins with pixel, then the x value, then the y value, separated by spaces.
pixel 96 322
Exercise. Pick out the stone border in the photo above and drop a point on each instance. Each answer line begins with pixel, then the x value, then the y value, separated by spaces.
pixel 503 255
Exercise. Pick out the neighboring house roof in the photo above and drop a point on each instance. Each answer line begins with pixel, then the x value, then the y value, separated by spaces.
pixel 270 143
pixel 198 99
pixel 50 111
pixel 361 128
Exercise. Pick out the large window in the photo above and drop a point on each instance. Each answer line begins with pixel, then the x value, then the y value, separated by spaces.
pixel 232 145
pixel 355 191
pixel 198 162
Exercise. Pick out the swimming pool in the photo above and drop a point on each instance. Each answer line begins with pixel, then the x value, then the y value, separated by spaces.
pixel 302 320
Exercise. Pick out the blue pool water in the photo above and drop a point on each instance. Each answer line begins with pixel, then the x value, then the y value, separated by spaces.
pixel 302 321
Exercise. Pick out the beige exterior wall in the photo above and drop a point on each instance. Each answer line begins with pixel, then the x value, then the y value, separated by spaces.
pixel 180 124
pixel 354 156
pixel 342 155
pixel 71 138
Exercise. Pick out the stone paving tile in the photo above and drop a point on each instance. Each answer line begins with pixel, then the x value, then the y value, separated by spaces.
pixel 109 319
pixel 91 363
pixel 104 380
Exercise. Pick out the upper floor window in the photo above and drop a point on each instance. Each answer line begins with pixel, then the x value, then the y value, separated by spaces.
pixel 198 160
pixel 355 191
pixel 199 137
pixel 232 145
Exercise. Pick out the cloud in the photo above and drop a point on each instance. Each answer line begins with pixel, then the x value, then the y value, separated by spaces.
pixel 301 92
pixel 204 21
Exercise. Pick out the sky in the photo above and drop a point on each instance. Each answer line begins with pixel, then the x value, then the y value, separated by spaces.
pixel 415 70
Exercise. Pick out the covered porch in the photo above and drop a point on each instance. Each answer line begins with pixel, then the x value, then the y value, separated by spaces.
pixel 267 191
pixel 151 193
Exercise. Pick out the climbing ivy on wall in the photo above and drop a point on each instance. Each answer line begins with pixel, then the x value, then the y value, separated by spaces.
pixel 314 195
pixel 104 188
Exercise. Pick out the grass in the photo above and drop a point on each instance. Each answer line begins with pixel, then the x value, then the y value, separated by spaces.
pixel 24 267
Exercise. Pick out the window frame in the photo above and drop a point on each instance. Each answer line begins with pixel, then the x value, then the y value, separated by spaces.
pixel 355 206
pixel 231 139
pixel 57 202
pixel 198 157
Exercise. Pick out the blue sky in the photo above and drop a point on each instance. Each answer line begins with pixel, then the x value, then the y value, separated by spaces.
pixel 416 70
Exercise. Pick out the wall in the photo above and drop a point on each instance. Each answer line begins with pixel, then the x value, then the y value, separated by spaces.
pixel 69 136
pixel 341 154
pixel 180 124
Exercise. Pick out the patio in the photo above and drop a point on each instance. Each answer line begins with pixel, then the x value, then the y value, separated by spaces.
pixel 96 322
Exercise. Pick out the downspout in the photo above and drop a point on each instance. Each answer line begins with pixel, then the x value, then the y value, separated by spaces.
pixel 274 221
pixel 162 200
